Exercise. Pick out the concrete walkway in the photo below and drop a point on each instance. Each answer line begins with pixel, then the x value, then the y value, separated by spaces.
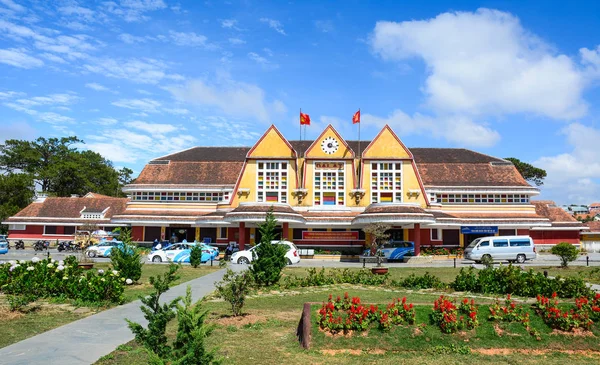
pixel 88 339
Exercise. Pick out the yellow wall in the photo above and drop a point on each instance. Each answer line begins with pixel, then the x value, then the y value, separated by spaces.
pixel 386 146
pixel 409 182
pixel 317 152
pixel 272 146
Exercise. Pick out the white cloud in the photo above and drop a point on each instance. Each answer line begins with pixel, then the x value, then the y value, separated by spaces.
pixel 52 57
pixel 591 59
pixel 10 4
pixel 274 24
pixel 10 94
pixel 457 129
pixel 257 58
pixel 152 128
pixel 176 111
pixel 131 39
pixel 485 63
pixel 236 41
pixel 231 97
pixel 96 86
pixel 229 23
pixel 325 26
pixel 107 121
pixel 134 10
pixel 190 39
pixel 114 151
pixel 146 71
pixel 18 57
pixel 573 176
pixel 51 99
pixel 76 11
pixel 145 105
pixel 54 118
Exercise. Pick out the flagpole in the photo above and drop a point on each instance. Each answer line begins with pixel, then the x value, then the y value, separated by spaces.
pixel 300 124
pixel 359 155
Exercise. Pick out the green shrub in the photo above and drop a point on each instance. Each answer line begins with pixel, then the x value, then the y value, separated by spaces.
pixel 195 256
pixel 466 280
pixel 154 338
pixel 426 281
pixel 334 276
pixel 269 259
pixel 48 278
pixel 189 347
pixel 566 251
pixel 234 288
pixel 126 259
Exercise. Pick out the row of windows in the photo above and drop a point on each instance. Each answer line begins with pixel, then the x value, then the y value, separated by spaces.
pixel 479 198
pixel 179 196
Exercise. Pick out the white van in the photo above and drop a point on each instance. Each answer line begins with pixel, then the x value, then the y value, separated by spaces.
pixel 509 248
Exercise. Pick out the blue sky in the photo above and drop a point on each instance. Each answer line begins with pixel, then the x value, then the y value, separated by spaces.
pixel 137 79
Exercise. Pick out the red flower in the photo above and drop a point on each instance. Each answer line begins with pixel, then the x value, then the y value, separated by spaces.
pixel 553 295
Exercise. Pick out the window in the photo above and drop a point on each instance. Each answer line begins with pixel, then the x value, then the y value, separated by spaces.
pixel 520 242
pixel 436 234
pixel 329 184
pixel 92 215
pixel 223 233
pixel 484 244
pixel 386 182
pixel 17 227
pixel 179 196
pixel 479 198
pixel 500 243
pixel 272 182
pixel 69 230
pixel 49 229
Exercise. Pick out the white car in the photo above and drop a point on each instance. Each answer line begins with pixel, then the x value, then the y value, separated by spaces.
pixel 102 249
pixel 246 256
pixel 180 252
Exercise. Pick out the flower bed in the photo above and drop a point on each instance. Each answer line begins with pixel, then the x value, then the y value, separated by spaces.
pixel 565 320
pixel 450 318
pixel 441 251
pixel 63 279
pixel 345 315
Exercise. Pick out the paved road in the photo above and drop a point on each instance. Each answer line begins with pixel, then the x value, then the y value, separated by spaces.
pixel 86 340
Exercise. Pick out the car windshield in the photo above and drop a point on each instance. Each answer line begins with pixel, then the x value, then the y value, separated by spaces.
pixel 474 243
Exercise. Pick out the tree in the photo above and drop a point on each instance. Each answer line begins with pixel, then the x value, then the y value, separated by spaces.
pixel 234 288
pixel 379 235
pixel 269 259
pixel 60 168
pixel 528 171
pixel 566 251
pixel 16 192
pixel 195 256
pixel 126 259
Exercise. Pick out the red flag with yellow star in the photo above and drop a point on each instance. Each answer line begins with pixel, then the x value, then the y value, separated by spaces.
pixel 356 117
pixel 304 119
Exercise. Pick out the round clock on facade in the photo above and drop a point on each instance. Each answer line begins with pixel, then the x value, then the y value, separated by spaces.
pixel 330 145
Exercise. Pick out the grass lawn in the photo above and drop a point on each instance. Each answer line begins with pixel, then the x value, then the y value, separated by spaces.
pixel 589 274
pixel 446 274
pixel 266 335
pixel 45 316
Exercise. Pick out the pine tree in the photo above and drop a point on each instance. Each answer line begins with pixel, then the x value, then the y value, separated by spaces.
pixel 269 259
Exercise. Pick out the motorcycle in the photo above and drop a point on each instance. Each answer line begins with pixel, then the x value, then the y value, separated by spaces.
pixel 39 246
pixel 19 245
pixel 62 246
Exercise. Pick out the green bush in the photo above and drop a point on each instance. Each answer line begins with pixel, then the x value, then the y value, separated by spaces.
pixel 189 347
pixel 195 256
pixel 51 279
pixel 566 251
pixel 334 276
pixel 126 259
pixel 426 281
pixel 269 259
pixel 234 288
pixel 158 316
pixel 511 280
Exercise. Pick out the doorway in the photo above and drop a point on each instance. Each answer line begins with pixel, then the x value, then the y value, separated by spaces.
pixel 472 237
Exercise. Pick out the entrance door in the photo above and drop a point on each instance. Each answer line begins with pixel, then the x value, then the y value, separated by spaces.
pixel 396 234
pixel 258 236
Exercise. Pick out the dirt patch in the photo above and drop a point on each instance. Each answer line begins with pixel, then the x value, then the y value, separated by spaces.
pixel 337 334
pixel 577 332
pixel 7 315
pixel 343 351
pixel 417 332
pixel 502 332
pixel 240 321
pixel 376 352
pixel 505 351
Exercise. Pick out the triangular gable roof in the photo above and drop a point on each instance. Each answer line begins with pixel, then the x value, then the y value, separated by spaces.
pixel 274 136
pixel 318 140
pixel 393 152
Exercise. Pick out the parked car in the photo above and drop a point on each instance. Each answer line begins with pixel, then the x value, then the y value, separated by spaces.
pixel 509 248
pixel 394 250
pixel 3 247
pixel 246 256
pixel 102 249
pixel 180 252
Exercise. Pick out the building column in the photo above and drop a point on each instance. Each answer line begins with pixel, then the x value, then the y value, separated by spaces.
pixel 417 239
pixel 242 242
pixel 285 230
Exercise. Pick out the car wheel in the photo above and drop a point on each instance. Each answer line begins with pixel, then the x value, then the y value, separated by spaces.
pixel 486 257
pixel 520 258
pixel 289 262
pixel 243 261
pixel 156 259
pixel 91 254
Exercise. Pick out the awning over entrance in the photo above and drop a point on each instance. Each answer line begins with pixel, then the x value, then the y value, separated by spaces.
pixel 395 214
pixel 256 212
